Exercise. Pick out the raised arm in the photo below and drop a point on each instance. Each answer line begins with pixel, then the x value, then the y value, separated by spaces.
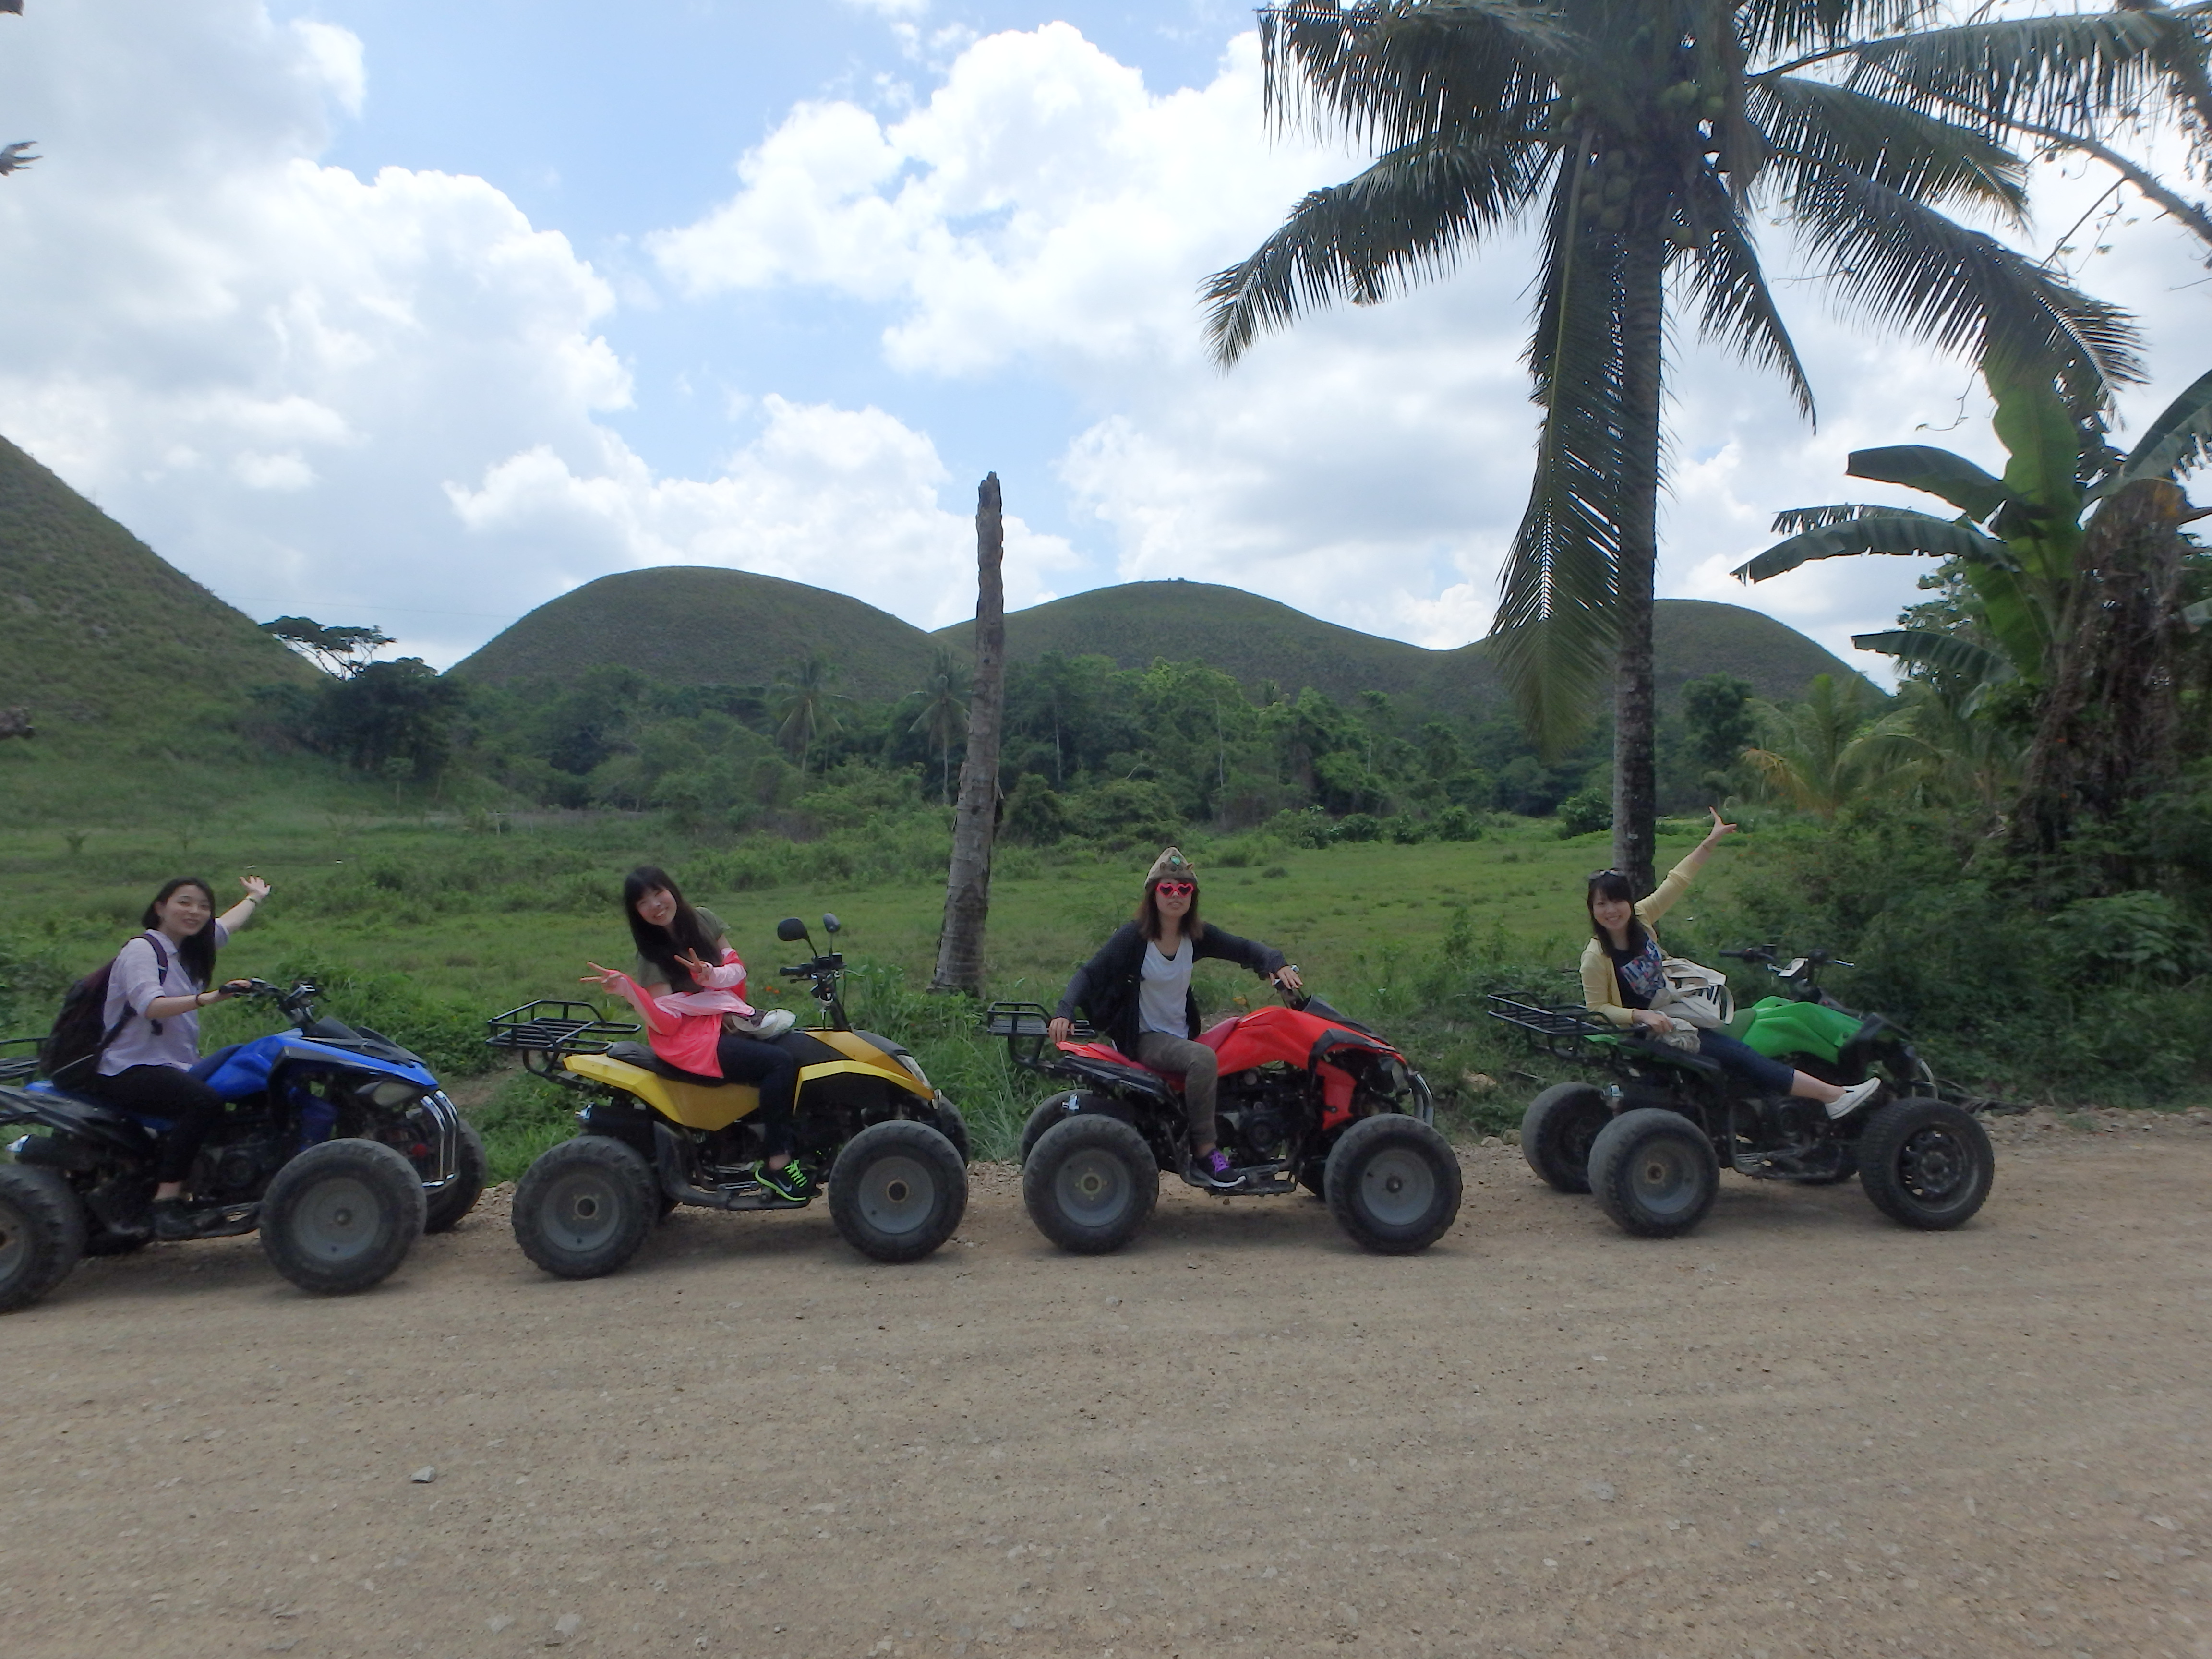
pixel 247 907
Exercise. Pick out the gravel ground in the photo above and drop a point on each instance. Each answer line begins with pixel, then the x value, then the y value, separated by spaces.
pixel 1801 1430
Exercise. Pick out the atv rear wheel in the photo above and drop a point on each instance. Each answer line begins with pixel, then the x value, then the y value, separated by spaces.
pixel 1394 1184
pixel 897 1190
pixel 1654 1172
pixel 41 1234
pixel 584 1207
pixel 1925 1162
pixel 1089 1183
pixel 341 1216
pixel 1558 1131
pixel 445 1207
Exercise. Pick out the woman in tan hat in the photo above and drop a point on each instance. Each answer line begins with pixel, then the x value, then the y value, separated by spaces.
pixel 1136 992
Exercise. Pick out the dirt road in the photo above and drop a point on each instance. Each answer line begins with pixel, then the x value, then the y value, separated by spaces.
pixel 1804 1430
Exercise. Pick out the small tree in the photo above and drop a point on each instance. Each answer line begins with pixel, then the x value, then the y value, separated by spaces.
pixel 337 649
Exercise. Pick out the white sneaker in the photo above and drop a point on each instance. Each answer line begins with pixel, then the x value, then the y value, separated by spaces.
pixel 1853 1097
pixel 766 1022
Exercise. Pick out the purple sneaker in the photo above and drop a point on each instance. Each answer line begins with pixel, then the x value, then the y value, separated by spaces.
pixel 1215 1170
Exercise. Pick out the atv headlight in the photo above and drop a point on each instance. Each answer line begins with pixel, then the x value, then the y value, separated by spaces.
pixel 391 1094
pixel 913 1070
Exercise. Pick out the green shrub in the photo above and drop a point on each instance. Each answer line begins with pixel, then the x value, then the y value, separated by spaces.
pixel 1584 812
pixel 1359 826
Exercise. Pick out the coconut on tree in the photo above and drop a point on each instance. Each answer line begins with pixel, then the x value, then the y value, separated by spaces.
pixel 1641 140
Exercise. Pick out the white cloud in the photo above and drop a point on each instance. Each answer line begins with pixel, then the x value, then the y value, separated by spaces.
pixel 1044 213
pixel 839 498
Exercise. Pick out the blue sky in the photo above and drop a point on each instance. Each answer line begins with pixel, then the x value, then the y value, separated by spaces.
pixel 423 315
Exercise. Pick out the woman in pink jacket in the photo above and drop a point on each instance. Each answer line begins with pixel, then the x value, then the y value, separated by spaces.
pixel 687 984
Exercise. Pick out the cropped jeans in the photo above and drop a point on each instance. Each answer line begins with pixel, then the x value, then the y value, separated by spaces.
pixel 1201 1071
pixel 1770 1076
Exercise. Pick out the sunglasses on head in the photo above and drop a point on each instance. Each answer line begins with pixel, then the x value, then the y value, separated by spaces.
pixel 1601 875
pixel 1176 888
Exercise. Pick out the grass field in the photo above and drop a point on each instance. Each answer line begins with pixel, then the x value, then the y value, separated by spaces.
pixel 425 928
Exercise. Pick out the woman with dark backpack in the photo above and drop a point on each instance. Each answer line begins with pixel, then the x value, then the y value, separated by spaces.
pixel 1136 992
pixel 155 988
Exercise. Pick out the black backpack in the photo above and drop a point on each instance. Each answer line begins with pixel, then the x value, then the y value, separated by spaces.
pixel 77 1039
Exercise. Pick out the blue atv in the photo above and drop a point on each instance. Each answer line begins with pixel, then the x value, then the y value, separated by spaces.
pixel 339 1148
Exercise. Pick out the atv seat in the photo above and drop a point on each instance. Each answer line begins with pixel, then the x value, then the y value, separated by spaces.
pixel 638 1055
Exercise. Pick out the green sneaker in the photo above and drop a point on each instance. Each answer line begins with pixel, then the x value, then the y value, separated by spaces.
pixel 791 1181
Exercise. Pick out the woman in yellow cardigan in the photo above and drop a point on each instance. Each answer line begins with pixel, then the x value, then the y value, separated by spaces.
pixel 1622 976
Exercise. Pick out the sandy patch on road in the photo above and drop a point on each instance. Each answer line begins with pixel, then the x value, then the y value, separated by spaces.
pixel 1803 1431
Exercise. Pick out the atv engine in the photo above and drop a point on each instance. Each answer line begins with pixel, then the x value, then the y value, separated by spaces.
pixel 1256 1113
pixel 235 1171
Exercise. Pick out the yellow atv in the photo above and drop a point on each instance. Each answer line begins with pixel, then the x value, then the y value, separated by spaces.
pixel 654 1137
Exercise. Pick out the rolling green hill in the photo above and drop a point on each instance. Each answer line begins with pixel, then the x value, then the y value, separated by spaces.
pixel 97 629
pixel 698 625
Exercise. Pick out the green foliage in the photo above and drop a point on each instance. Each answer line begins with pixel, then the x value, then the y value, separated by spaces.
pixel 448 1035
pixel 385 713
pixel 2090 1005
pixel 1585 811
pixel 1719 721
pixel 525 1115
pixel 1036 815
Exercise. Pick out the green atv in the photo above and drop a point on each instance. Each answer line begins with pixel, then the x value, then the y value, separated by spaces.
pixel 1651 1144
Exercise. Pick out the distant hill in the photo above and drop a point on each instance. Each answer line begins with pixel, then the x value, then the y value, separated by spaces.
pixel 700 625
pixel 96 628
pixel 697 625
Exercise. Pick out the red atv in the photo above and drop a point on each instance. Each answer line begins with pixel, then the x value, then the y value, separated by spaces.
pixel 1307 1098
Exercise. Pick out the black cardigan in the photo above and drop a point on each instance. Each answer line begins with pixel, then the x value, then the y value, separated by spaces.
pixel 1105 987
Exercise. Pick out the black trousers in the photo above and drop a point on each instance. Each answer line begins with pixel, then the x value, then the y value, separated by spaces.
pixel 748 1060
pixel 169 1092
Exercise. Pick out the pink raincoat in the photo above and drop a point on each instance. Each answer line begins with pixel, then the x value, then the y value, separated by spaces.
pixel 684 1026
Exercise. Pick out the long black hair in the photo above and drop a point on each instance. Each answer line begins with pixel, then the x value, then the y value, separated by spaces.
pixel 1612 885
pixel 197 951
pixel 661 946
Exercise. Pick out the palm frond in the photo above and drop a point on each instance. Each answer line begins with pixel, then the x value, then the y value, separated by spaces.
pixel 1775 26
pixel 1791 519
pixel 1912 152
pixel 1555 627
pixel 1915 537
pixel 1939 654
pixel 1933 472
pixel 1736 307
pixel 1389 74
pixel 2064 70
pixel 2178 442
pixel 1405 217
pixel 1909 267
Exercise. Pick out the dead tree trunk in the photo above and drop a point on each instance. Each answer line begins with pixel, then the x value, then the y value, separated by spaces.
pixel 2110 716
pixel 975 822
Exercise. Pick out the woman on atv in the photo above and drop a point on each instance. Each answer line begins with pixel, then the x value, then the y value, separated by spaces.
pixel 687 984
pixel 1623 974
pixel 1136 992
pixel 160 982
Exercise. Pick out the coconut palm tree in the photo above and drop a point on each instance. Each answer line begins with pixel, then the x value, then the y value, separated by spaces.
pixel 944 714
pixel 804 704
pixel 1641 139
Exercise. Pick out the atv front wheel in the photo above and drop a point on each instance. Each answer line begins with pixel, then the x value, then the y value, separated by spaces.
pixel 584 1207
pixel 341 1216
pixel 458 1196
pixel 1048 1114
pixel 1394 1184
pixel 1654 1173
pixel 954 1127
pixel 897 1190
pixel 1925 1162
pixel 41 1234
pixel 1089 1183
pixel 1557 1132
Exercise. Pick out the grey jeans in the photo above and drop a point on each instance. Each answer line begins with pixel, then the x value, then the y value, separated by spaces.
pixel 1200 1069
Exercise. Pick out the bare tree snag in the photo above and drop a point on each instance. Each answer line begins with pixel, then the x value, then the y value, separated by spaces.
pixel 975 822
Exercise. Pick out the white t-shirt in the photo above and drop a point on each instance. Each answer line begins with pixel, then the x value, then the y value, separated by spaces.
pixel 136 980
pixel 1163 990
